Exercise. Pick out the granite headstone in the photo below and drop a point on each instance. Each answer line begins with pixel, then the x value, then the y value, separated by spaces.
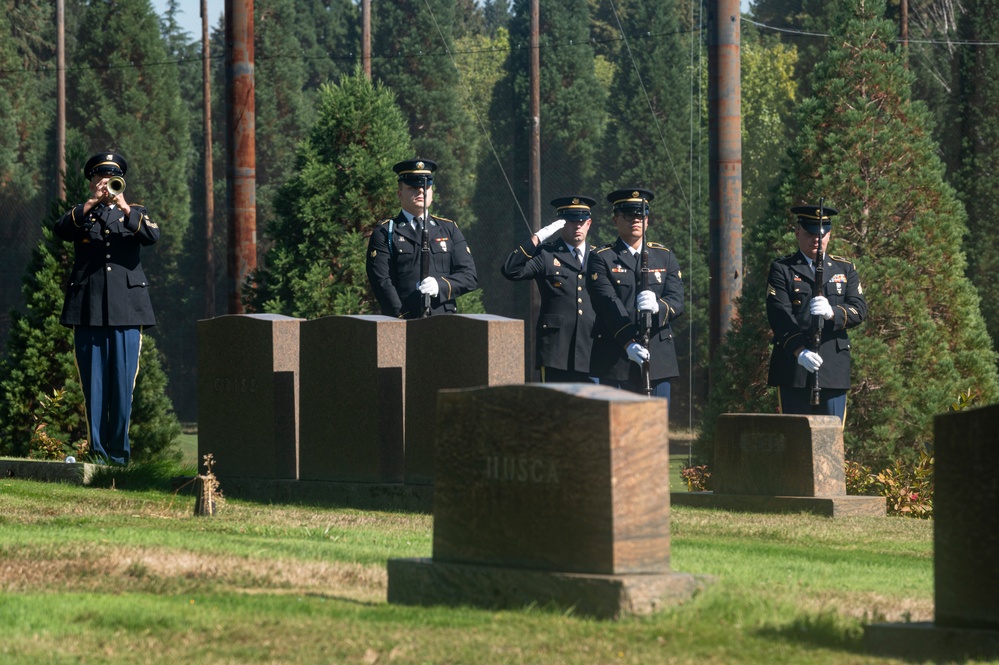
pixel 248 395
pixel 453 351
pixel 548 493
pixel 351 422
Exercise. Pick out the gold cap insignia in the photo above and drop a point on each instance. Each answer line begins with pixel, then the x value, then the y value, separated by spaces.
pixel 420 165
pixel 575 202
pixel 634 195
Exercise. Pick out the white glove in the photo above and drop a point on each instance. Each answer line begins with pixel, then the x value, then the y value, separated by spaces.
pixel 429 286
pixel 548 231
pixel 647 302
pixel 810 360
pixel 820 307
pixel 637 353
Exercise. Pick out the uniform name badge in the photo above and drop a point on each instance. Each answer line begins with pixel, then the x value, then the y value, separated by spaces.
pixel 659 277
pixel 443 245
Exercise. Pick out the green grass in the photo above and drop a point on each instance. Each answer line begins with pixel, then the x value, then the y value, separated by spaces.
pixel 91 575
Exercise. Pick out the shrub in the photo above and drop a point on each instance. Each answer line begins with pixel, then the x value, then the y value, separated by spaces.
pixel 698 478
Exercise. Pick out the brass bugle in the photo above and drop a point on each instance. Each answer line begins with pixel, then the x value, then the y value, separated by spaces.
pixel 116 185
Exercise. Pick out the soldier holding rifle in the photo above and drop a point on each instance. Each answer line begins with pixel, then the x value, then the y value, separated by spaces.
pixel 418 263
pixel 807 359
pixel 621 357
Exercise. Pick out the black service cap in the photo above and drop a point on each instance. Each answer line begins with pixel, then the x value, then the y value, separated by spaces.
pixel 630 201
pixel 105 164
pixel 808 217
pixel 416 172
pixel 574 208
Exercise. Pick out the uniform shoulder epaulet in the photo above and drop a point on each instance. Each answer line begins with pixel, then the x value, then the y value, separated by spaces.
pixel 384 221
pixel 605 248
pixel 840 259
pixel 656 245
pixel 443 219
pixel 787 257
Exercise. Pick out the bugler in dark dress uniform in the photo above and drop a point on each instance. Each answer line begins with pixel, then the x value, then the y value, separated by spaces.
pixel 793 302
pixel 394 259
pixel 107 301
pixel 564 331
pixel 615 286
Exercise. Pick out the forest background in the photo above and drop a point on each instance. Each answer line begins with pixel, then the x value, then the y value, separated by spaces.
pixel 624 101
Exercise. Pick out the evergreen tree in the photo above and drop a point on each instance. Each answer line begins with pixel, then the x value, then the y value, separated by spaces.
pixel 283 110
pixel 39 362
pixel 411 43
pixel 27 170
pixel 866 147
pixel 979 176
pixel 329 39
pixel 496 14
pixel 342 184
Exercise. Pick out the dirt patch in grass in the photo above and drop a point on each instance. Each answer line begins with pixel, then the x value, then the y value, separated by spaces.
pixel 163 570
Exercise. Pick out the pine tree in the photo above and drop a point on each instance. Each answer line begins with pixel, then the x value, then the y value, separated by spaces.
pixel 411 42
pixel 27 170
pixel 342 184
pixel 867 148
pixel 39 362
pixel 979 174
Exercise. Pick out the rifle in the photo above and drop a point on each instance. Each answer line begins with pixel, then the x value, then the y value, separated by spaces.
pixel 425 253
pixel 645 316
pixel 817 321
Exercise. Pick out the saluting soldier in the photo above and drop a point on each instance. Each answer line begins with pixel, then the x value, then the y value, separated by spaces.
pixel 615 286
pixel 555 258
pixel 394 251
pixel 793 302
pixel 107 301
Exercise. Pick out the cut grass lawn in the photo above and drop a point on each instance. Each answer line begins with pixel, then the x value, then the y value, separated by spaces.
pixel 93 575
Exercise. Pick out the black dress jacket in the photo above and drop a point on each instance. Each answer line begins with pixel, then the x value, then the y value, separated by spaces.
pixel 107 286
pixel 614 284
pixel 790 287
pixel 394 262
pixel 564 333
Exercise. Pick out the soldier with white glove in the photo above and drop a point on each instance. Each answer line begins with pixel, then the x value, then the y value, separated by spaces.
pixel 797 307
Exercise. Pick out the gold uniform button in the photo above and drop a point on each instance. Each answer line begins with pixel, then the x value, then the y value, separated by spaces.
pixel 579 300
pixel 109 268
pixel 580 312
pixel 579 288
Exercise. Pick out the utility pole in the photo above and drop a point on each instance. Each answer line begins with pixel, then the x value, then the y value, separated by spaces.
pixel 366 38
pixel 534 173
pixel 725 166
pixel 241 151
pixel 206 71
pixel 61 99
